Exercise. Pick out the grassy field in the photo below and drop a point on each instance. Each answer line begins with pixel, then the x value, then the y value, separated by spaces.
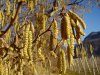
pixel 79 68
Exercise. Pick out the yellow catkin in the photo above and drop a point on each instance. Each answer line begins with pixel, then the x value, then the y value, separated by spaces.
pixel 75 16
pixel 61 63
pixel 31 5
pixel 21 67
pixel 91 48
pixel 15 27
pixel 30 45
pixel 73 22
pixel 79 32
pixel 83 52
pixel 22 50
pixel 19 73
pixel 53 54
pixel 72 44
pixel 79 28
pixel 55 32
pixel 32 28
pixel 6 69
pixel 65 27
pixel 70 55
pixel 41 56
pixel 2 17
pixel 8 36
pixel 2 68
pixel 55 28
pixel 26 41
pixel 14 10
pixel 77 52
pixel 8 7
pixel 16 40
pixel 79 41
pixel 78 35
pixel 72 60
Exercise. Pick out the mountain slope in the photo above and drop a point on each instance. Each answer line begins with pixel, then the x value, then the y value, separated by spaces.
pixel 94 39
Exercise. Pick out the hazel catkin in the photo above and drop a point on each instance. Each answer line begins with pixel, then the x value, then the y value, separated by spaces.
pixel 65 27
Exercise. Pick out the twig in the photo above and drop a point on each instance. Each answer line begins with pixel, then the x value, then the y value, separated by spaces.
pixel 75 2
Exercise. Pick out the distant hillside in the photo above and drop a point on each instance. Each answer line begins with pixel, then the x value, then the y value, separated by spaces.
pixel 94 39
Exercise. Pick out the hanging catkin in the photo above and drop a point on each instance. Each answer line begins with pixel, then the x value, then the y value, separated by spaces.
pixel 61 63
pixel 55 28
pixel 75 16
pixel 31 5
pixel 26 41
pixel 80 31
pixel 14 10
pixel 65 27
pixel 70 55
pixel 32 27
pixel 72 22
pixel 72 43
pixel 30 45
pixel 55 32
pixel 41 55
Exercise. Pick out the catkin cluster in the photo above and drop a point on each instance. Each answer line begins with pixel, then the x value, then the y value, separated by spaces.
pixel 72 22
pixel 55 32
pixel 71 30
pixel 27 51
pixel 78 25
pixel 30 45
pixel 65 27
pixel 61 63
pixel 40 54
pixel 55 28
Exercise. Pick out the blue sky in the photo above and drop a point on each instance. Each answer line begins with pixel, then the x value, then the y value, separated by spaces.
pixel 92 20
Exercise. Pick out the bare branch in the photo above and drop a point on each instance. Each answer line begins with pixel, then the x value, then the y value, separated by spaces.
pixel 75 2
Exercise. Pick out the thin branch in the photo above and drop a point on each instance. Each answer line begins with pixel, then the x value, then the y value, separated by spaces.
pixel 75 2
pixel 12 20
